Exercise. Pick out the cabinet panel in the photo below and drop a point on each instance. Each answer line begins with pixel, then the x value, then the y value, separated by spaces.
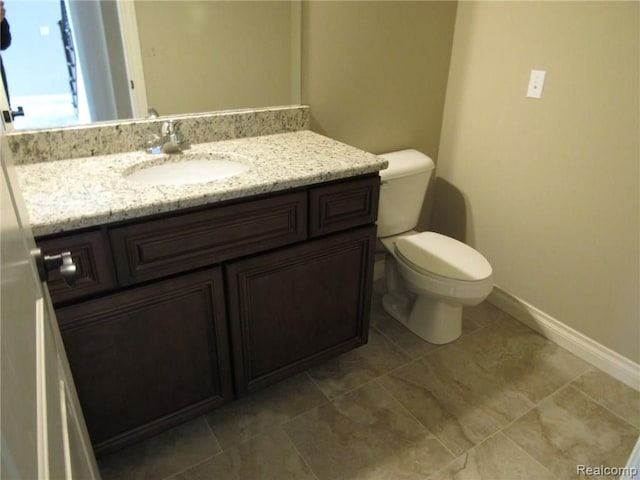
pixel 292 308
pixel 343 205
pixel 148 358
pixel 156 248
pixel 90 253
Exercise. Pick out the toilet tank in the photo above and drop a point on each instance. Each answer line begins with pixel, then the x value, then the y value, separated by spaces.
pixel 404 184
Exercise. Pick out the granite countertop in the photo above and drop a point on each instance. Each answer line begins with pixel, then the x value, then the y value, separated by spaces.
pixel 65 195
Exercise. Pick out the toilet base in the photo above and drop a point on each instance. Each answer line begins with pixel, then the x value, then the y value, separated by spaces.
pixel 432 320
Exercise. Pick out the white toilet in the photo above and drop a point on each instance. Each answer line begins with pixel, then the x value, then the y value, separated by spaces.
pixel 430 277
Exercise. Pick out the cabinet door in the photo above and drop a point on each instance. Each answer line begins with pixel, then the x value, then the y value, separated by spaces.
pixel 294 307
pixel 150 357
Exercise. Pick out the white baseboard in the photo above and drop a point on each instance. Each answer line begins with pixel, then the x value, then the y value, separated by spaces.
pixel 580 345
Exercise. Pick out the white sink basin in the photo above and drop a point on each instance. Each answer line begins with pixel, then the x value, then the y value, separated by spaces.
pixel 188 169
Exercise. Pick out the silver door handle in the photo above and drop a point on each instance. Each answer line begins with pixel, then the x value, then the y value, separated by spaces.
pixel 63 262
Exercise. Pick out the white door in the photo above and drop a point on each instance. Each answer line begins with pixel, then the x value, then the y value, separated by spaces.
pixel 6 121
pixel 42 430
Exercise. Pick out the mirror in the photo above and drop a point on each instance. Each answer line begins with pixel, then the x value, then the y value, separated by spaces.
pixel 194 55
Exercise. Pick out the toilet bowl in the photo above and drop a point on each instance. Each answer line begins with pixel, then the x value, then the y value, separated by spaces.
pixel 430 277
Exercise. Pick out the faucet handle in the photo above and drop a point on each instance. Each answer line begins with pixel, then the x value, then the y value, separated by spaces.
pixel 167 128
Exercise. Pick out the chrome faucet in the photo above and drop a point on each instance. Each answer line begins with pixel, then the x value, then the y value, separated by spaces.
pixel 168 142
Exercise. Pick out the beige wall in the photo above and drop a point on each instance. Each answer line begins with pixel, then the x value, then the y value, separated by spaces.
pixel 374 73
pixel 546 189
pixel 550 186
pixel 211 55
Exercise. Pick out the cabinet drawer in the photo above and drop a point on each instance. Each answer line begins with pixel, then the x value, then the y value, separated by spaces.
pixel 90 254
pixel 156 248
pixel 343 205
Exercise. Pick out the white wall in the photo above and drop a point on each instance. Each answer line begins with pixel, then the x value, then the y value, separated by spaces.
pixel 548 189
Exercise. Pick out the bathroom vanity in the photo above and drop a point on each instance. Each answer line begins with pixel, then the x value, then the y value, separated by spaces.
pixel 190 296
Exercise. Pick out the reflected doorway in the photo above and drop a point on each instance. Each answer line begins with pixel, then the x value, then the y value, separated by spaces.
pixel 41 73
pixel 59 65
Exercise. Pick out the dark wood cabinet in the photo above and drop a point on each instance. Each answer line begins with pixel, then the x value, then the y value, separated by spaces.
pixel 178 313
pixel 292 308
pixel 150 357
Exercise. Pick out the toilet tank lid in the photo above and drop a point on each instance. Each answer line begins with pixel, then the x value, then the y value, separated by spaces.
pixel 444 256
pixel 405 162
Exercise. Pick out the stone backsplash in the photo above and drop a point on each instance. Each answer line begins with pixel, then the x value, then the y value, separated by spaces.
pixel 132 135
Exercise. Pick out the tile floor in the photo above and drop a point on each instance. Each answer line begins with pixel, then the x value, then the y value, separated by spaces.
pixel 501 402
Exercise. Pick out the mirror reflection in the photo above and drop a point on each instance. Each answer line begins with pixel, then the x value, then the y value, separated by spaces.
pixel 77 61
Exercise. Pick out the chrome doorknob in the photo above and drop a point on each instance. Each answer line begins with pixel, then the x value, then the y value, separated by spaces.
pixel 63 262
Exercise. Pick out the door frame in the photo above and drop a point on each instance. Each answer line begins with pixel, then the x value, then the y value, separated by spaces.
pixel 133 57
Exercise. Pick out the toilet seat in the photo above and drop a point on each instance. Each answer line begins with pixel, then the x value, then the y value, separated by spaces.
pixel 433 254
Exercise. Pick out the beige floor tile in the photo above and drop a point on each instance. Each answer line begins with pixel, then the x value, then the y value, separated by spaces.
pixel 502 398
pixel 366 434
pixel 162 455
pixel 238 421
pixel 622 400
pixel 269 456
pixel 471 388
pixel 570 429
pixel 521 359
pixel 357 367
pixel 455 397
pixel 497 458
pixel 484 314
pixel 404 338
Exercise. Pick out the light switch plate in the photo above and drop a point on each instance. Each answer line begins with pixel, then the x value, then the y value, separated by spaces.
pixel 536 83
